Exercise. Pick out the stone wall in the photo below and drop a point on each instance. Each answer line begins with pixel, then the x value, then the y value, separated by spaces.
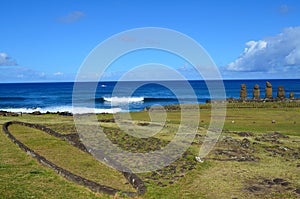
pixel 132 178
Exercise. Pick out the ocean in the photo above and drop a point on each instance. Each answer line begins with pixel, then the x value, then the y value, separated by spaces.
pixel 53 97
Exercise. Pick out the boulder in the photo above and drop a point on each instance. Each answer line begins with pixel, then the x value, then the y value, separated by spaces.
pixel 36 113
pixel 65 113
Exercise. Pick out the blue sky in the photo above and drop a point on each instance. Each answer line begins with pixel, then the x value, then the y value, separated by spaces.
pixel 49 40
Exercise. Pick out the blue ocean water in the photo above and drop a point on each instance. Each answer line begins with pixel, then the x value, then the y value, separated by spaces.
pixel 53 97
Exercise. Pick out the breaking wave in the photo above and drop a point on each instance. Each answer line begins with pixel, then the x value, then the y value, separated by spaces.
pixel 70 109
pixel 132 99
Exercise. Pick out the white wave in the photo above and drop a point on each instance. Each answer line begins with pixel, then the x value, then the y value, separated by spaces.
pixel 123 99
pixel 70 109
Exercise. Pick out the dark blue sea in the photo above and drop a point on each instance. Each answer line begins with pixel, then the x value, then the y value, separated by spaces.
pixel 53 97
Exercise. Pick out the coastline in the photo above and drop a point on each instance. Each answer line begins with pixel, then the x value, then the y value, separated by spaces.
pixel 230 103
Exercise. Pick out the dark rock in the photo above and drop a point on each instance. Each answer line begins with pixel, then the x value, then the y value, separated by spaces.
pixel 12 114
pixel 245 143
pixel 254 189
pixel 297 191
pixel 36 113
pixel 160 184
pixel 276 135
pixel 230 99
pixel 278 180
pixel 107 120
pixel 65 113
pixel 244 134
pixel 268 182
pixel 5 113
pixel 285 183
pixel 271 137
pixel 143 124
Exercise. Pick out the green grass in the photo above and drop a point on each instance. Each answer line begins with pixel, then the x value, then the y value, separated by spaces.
pixel 24 177
pixel 66 156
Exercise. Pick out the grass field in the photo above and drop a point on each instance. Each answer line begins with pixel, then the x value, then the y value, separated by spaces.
pixel 249 161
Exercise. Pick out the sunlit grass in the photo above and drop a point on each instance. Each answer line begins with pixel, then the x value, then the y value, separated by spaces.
pixel 23 177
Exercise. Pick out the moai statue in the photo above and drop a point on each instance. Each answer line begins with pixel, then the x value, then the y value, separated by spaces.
pixel 243 92
pixel 269 90
pixel 292 96
pixel 280 93
pixel 256 92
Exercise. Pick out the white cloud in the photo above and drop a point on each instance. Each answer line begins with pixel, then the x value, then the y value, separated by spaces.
pixel 275 54
pixel 71 17
pixel 23 74
pixel 58 74
pixel 5 60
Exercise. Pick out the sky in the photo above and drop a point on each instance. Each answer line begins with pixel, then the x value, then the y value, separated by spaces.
pixel 46 41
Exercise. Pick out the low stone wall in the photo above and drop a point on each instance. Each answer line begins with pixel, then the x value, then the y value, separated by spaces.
pixel 261 100
pixel 132 178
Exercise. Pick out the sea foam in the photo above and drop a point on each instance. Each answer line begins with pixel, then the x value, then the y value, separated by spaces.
pixel 123 99
pixel 70 109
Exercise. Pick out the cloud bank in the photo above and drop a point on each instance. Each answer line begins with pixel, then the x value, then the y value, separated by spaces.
pixel 280 53
pixel 5 60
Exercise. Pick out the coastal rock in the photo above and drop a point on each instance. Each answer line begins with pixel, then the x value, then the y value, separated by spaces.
pixel 280 93
pixel 65 113
pixel 256 92
pixel 36 113
pixel 243 92
pixel 5 113
pixel 269 90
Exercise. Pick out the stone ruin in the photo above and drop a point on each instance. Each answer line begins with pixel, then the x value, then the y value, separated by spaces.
pixel 280 92
pixel 256 92
pixel 243 92
pixel 269 90
pixel 256 95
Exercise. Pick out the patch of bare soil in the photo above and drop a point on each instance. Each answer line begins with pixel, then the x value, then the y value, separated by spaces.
pixel 271 137
pixel 263 186
pixel 230 149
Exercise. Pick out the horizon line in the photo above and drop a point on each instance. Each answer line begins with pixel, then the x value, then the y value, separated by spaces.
pixel 225 79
